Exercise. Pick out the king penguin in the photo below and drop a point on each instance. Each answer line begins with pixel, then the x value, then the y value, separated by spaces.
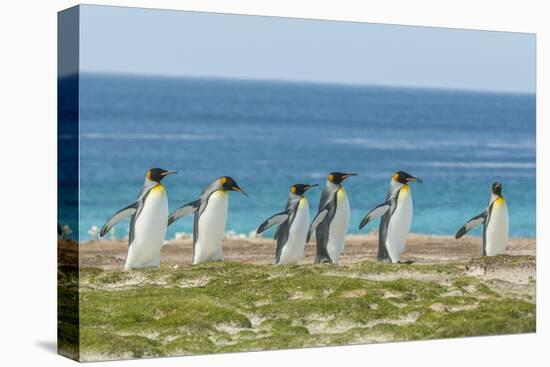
pixel 293 225
pixel 331 222
pixel 495 223
pixel 210 218
pixel 396 212
pixel 149 218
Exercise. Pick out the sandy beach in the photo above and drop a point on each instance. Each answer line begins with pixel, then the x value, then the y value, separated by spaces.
pixel 420 248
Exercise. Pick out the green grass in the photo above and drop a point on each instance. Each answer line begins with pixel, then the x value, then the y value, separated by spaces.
pixel 226 307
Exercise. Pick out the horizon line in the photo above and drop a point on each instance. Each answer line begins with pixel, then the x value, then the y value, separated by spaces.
pixel 300 81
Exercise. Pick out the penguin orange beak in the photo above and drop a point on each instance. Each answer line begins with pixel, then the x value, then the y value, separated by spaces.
pixel 237 188
pixel 168 172
pixel 309 187
pixel 414 179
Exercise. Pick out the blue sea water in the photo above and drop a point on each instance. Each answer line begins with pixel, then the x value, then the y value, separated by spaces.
pixel 268 135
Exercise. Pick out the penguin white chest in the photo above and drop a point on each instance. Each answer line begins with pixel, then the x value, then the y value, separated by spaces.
pixel 211 228
pixel 338 226
pixel 149 231
pixel 400 224
pixel 293 250
pixel 496 233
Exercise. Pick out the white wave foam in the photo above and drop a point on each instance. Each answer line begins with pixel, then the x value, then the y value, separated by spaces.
pixel 512 165
pixel 231 234
pixel 182 236
pixel 404 144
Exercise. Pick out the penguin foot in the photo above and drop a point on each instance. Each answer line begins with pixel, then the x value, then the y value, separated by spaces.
pixel 323 261
pixel 408 262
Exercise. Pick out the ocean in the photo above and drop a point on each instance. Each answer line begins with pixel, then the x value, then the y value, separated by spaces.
pixel 268 135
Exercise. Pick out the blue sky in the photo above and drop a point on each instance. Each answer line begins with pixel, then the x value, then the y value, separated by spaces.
pixel 160 42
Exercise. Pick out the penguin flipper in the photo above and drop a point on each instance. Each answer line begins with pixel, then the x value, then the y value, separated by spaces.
pixel 376 212
pixel 318 219
pixel 471 224
pixel 276 219
pixel 184 210
pixel 120 215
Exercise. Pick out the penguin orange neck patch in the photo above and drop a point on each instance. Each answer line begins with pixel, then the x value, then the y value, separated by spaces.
pixel 500 200
pixel 341 192
pixel 158 188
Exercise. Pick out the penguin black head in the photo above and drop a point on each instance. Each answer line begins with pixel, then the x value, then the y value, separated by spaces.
pixel 157 174
pixel 338 177
pixel 496 188
pixel 404 178
pixel 300 189
pixel 229 184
